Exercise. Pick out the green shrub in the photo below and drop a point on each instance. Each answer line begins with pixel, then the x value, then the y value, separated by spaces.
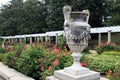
pixel 2 50
pixel 117 48
pixel 38 61
pixel 111 53
pixel 28 62
pixel 1 40
pixel 11 57
pixel 86 50
pixel 116 75
pixel 105 48
pixel 8 59
pixel 62 40
pixel 1 56
pixel 102 63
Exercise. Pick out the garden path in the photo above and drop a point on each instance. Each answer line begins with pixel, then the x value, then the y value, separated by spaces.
pixel 93 51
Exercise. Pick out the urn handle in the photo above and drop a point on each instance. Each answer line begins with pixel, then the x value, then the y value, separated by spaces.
pixel 66 12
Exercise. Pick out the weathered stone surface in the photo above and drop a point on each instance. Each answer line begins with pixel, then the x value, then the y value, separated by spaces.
pixel 21 78
pixel 11 74
pixel 53 78
pixel 91 75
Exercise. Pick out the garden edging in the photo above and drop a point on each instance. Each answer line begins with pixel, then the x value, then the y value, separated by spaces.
pixel 11 74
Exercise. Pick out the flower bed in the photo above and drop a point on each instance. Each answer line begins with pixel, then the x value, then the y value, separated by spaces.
pixel 105 64
pixel 36 60
pixel 39 61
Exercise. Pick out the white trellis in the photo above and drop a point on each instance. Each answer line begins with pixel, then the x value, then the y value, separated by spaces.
pixel 41 36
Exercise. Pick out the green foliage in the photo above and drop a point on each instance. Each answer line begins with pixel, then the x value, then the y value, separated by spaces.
pixel 2 50
pixel 117 48
pixel 111 53
pixel 113 12
pixel 35 60
pixel 86 50
pixel 1 56
pixel 62 41
pixel 22 17
pixel 116 75
pixel 1 39
pixel 102 63
pixel 28 64
pixel 11 56
pixel 107 47
pixel 35 16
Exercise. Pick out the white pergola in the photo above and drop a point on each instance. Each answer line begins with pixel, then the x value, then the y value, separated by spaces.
pixel 108 30
pixel 47 35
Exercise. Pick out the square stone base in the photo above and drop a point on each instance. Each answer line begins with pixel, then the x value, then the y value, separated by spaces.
pixel 53 78
pixel 62 75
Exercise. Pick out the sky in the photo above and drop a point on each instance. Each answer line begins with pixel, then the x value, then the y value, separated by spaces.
pixel 4 2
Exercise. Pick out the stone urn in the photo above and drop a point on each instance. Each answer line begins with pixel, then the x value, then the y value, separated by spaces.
pixel 77 33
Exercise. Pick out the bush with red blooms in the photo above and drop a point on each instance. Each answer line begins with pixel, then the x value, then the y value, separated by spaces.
pixel 107 47
pixel 38 60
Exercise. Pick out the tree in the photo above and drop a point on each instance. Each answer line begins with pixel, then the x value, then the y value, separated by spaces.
pixel 97 10
pixel 55 18
pixel 8 23
pixel 33 18
pixel 113 18
pixel 22 18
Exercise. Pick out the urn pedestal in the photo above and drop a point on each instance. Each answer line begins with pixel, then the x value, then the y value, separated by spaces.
pixel 77 33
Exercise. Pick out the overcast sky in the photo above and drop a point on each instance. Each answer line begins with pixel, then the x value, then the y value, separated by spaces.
pixel 4 1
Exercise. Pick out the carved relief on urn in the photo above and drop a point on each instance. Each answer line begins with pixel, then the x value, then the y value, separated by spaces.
pixel 76 28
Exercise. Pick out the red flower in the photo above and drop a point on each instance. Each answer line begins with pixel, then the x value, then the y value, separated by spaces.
pixel 50 68
pixel 39 60
pixel 56 50
pixel 55 63
pixel 109 72
pixel 83 64
pixel 65 54
pixel 58 56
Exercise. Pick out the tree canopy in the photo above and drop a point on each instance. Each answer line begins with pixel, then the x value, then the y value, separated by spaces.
pixel 36 16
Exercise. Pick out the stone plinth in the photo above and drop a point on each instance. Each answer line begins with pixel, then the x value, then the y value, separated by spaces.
pixel 91 75
pixel 76 70
pixel 53 78
pixel 62 75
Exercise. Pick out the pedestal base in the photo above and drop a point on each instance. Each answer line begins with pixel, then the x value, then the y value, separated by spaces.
pixel 62 75
pixel 76 70
pixel 53 78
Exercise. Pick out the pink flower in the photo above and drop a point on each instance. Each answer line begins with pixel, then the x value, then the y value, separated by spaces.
pixel 71 51
pixel 65 47
pixel 65 54
pixel 58 55
pixel 54 47
pixel 39 60
pixel 56 50
pixel 109 72
pixel 55 63
pixel 46 53
pixel 50 68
